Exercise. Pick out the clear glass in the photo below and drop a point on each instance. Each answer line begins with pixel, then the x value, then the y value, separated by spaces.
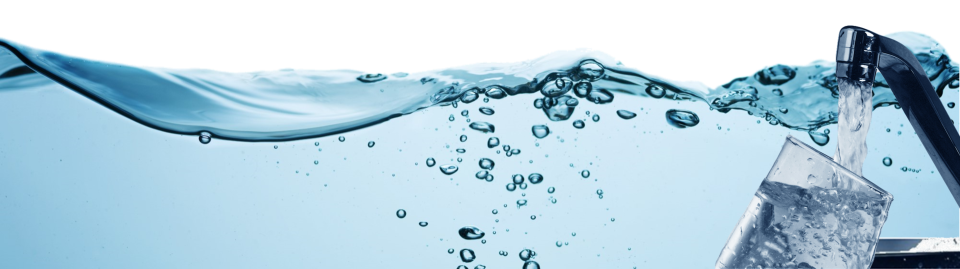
pixel 809 212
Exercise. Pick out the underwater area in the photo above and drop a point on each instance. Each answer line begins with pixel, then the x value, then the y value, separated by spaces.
pixel 571 160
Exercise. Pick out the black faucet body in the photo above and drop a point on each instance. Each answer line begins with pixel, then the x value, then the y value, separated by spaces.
pixel 861 53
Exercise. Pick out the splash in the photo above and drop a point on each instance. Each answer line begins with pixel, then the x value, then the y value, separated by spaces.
pixel 295 104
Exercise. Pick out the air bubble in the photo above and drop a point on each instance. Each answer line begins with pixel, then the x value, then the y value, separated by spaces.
pixel 951 104
pixel 448 169
pixel 578 124
pixel 557 87
pixel 540 131
pixel 463 138
pixel 778 92
pixel 495 211
pixel 819 138
pixel 493 142
pixel 370 78
pixel 423 224
pixel 486 163
pixel 511 187
pixel 341 138
pixel 482 126
pixel 533 217
pixel 496 92
pixel 370 144
pixel 517 178
pixel 887 161
pixel 482 174
pixel 486 110
pixel 655 91
pixel 531 265
pixel 401 213
pixel 582 89
pixel 596 117
pixel 535 178
pixel 205 137
pixel 461 150
pixel 590 70
pixel 470 233
pixel 431 162
pixel 600 96
pixel 526 254
pixel 585 173
pixel 467 255
pixel 624 114
pixel 682 118
pixel 551 190
pixel 469 96
pixel 521 202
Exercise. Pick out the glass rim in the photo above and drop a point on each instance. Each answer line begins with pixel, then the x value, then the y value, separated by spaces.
pixel 832 162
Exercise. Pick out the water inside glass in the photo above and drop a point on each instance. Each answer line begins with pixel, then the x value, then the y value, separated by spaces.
pixel 809 212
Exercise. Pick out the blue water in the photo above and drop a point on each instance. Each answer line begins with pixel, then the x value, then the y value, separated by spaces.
pixel 84 186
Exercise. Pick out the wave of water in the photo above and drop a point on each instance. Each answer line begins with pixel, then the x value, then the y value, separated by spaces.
pixel 295 104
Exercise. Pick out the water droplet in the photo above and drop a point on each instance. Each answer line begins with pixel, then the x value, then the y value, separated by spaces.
pixel 482 126
pixel 511 187
pixel 556 87
pixel 533 217
pixel 624 114
pixel 450 251
pixel 401 213
pixel 599 192
pixel 887 161
pixel 470 233
pixel 448 169
pixel 682 118
pixel 469 96
pixel 493 142
pixel 461 150
pixel 551 190
pixel 655 91
pixel 578 124
pixel 370 78
pixel 370 144
pixel 535 178
pixel 531 265
pixel 600 96
pixel 526 254
pixel 486 163
pixel 482 174
pixel 341 138
pixel 467 255
pixel 423 224
pixel 596 117
pixel 540 131
pixel 590 70
pixel 431 162
pixel 495 211
pixel 585 173
pixel 951 104
pixel 205 137
pixel 496 92
pixel 819 138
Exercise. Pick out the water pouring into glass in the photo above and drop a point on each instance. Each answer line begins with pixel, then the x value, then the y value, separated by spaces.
pixel 813 211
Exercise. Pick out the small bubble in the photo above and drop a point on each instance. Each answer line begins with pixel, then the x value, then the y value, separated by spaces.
pixel 448 169
pixel 514 152
pixel 578 124
pixel 655 91
pixel 481 266
pixel 503 253
pixel 573 234
pixel 777 92
pixel 482 174
pixel 451 118
pixel 540 131
pixel 888 130
pixel 887 161
pixel 596 117
pixel 582 89
pixel 533 217
pixel 493 142
pixel 469 96
pixel 613 219
pixel 486 110
pixel 275 147
pixel 535 178
pixel 585 173
pixel 511 187
pixel 899 133
pixel 682 118
pixel 531 265
pixel 370 78
pixel 526 254
pixel 538 103
pixel 316 162
pixel 341 138
pixel 551 190
pixel 464 113
pixel 517 178
pixel 521 202
pixel 951 104
pixel 559 244
pixel 482 126
pixel 423 224
pixel 624 114
pixel 486 163
pixel 489 178
pixel 496 92
pixel 431 162
pixel 599 192
pixel 486 100
pixel 370 144
pixel 495 211
pixel 450 251
pixel 205 137
pixel 401 213
pixel 461 150
pixel 470 233
pixel 523 186
pixel 553 200
pixel 467 255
